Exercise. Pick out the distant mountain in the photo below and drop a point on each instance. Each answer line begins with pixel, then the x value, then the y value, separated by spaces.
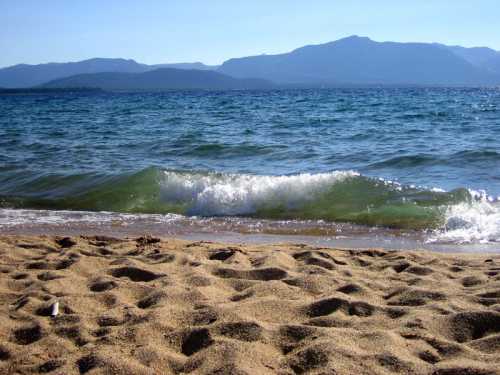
pixel 350 61
pixel 23 75
pixel 482 57
pixel 359 60
pixel 159 79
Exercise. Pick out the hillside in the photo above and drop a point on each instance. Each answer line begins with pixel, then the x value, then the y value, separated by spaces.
pixel 159 79
pixel 24 75
pixel 482 57
pixel 358 60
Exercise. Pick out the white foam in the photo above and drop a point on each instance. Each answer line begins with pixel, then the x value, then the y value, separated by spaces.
pixel 17 217
pixel 477 221
pixel 240 194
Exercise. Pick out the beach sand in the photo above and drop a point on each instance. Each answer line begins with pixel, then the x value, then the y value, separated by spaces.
pixel 151 306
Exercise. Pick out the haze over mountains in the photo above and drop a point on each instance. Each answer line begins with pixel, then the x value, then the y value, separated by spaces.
pixel 348 61
pixel 160 79
pixel 24 75
pixel 482 57
pixel 358 60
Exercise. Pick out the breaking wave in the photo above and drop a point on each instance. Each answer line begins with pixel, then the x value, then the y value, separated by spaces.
pixel 339 196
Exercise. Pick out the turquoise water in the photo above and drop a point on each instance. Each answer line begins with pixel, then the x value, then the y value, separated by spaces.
pixel 409 159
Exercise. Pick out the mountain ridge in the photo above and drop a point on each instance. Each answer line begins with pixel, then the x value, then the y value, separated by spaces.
pixel 353 60
pixel 483 57
pixel 28 75
pixel 158 79
pixel 360 60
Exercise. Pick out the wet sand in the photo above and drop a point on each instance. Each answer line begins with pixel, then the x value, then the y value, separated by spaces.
pixel 165 306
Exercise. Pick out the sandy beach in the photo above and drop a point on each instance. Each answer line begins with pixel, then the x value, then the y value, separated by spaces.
pixel 165 306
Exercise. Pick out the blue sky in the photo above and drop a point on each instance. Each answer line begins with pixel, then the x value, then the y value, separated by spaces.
pixel 162 31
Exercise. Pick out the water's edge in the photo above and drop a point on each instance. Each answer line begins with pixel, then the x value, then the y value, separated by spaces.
pixel 227 230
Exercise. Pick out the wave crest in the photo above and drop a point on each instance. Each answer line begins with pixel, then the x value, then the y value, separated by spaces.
pixel 475 221
pixel 218 194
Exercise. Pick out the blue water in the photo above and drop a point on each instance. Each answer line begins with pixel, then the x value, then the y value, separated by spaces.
pixel 401 158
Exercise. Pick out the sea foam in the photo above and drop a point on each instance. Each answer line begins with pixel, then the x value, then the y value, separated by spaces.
pixel 477 221
pixel 242 194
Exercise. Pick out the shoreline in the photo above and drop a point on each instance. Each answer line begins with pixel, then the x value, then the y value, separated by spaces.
pixel 146 305
pixel 351 242
pixel 235 230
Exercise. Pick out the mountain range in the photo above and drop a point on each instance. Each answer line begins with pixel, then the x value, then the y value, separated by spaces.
pixel 24 75
pixel 159 79
pixel 349 61
pixel 359 60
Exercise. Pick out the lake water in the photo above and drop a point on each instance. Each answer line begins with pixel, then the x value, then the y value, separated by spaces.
pixel 420 163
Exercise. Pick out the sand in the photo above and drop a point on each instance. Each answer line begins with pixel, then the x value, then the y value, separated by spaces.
pixel 151 306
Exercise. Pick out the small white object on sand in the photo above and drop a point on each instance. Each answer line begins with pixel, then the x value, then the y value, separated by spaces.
pixel 55 309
